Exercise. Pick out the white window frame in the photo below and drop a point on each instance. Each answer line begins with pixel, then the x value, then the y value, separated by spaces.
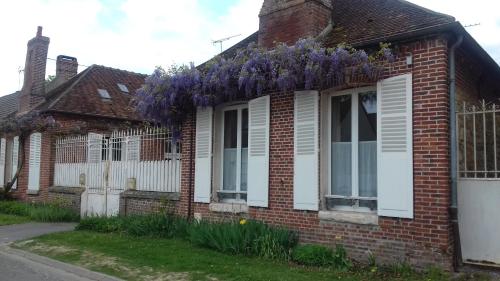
pixel 354 93
pixel 239 108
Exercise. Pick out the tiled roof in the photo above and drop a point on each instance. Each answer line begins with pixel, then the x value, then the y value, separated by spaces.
pixel 9 104
pixel 359 22
pixel 80 94
pixel 232 51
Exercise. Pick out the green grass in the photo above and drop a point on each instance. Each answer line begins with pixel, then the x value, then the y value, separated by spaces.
pixel 38 212
pixel 135 258
pixel 11 219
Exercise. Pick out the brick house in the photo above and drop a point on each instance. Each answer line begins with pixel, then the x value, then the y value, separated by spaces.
pixel 94 100
pixel 368 167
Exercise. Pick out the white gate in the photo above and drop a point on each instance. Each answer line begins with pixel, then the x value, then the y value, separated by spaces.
pixel 106 165
pixel 479 183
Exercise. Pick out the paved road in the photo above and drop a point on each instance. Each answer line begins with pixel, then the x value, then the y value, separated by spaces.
pixel 11 233
pixel 23 266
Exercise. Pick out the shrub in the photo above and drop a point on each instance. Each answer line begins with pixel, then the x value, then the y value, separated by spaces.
pixel 245 237
pixel 39 212
pixel 313 255
pixel 316 255
pixel 156 225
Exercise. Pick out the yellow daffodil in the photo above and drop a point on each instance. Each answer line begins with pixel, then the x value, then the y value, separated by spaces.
pixel 243 221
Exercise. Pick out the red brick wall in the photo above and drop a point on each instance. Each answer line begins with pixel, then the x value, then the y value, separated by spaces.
pixel 303 20
pixel 422 241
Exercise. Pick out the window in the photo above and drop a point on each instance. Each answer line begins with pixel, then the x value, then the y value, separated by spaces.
pixel 172 149
pixel 104 94
pixel 114 146
pixel 353 151
pixel 123 88
pixel 234 153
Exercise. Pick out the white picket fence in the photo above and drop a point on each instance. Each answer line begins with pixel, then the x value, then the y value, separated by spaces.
pixel 146 160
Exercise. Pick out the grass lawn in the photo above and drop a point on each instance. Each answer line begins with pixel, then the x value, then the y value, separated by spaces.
pixel 134 258
pixel 11 219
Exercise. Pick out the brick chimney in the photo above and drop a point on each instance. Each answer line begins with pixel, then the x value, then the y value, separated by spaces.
pixel 33 89
pixel 66 68
pixel 286 21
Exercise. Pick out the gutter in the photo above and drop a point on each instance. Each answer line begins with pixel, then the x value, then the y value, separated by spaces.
pixel 453 210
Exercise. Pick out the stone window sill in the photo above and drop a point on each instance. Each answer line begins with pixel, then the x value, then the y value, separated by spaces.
pixel 32 192
pixel 348 217
pixel 232 208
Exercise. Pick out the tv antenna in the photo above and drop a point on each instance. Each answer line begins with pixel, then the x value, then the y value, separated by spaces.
pixel 220 41
pixel 472 25
pixel 19 71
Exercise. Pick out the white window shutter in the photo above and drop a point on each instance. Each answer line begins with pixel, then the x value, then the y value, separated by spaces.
pixel 258 156
pixel 15 159
pixel 395 147
pixel 94 152
pixel 34 161
pixel 2 161
pixel 306 154
pixel 134 148
pixel 203 159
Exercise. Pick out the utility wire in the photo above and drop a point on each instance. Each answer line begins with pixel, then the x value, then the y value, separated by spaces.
pixel 78 64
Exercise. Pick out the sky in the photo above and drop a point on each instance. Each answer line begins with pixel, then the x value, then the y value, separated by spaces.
pixel 138 35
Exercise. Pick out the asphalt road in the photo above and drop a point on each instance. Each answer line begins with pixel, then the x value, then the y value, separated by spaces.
pixel 17 265
pixel 11 233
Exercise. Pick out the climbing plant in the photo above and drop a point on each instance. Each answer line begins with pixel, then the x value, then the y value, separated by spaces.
pixel 168 96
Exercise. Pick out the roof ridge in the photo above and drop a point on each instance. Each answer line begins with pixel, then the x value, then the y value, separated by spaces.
pixel 426 9
pixel 118 69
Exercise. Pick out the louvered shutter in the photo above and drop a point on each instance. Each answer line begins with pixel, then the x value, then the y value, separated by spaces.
pixel 134 148
pixel 2 161
pixel 258 156
pixel 34 161
pixel 306 155
pixel 203 160
pixel 15 159
pixel 394 147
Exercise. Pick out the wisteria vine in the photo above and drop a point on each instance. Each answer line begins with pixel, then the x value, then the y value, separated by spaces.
pixel 168 96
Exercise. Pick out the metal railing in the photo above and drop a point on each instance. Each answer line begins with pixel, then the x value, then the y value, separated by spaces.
pixel 478 127
pixel 142 159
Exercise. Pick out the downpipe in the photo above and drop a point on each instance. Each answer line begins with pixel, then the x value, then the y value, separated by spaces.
pixel 191 164
pixel 453 209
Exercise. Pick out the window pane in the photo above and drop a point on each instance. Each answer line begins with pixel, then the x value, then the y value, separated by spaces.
pixel 244 128
pixel 244 149
pixel 341 146
pixel 230 149
pixel 229 172
pixel 230 129
pixel 367 116
pixel 244 168
pixel 367 125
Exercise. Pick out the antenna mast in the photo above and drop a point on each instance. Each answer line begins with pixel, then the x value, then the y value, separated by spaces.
pixel 220 41
pixel 19 70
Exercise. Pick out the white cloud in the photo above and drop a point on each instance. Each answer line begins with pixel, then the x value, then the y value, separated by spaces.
pixel 137 35
pixel 146 33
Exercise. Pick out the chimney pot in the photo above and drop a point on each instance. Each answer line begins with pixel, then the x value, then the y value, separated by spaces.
pixel 66 68
pixel 39 31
